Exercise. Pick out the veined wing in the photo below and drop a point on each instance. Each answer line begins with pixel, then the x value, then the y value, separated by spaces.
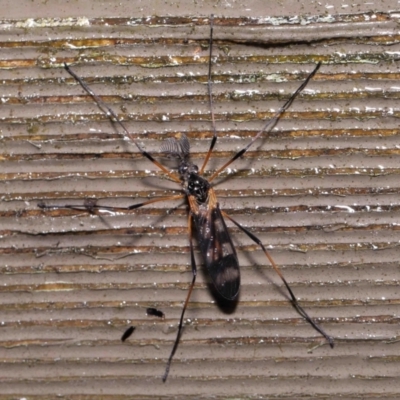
pixel 218 251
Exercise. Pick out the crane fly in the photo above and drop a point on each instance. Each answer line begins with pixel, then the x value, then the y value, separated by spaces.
pixel 205 216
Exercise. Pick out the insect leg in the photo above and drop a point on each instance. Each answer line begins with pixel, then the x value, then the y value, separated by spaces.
pixel 209 84
pixel 294 301
pixel 269 125
pixel 194 272
pixel 114 118
pixel 90 205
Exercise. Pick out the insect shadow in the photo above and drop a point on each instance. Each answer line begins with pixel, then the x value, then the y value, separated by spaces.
pixel 205 218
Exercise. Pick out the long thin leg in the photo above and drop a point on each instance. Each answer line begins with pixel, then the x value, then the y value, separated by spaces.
pixel 294 301
pixel 180 327
pixel 209 84
pixel 114 118
pixel 269 125
pixel 90 205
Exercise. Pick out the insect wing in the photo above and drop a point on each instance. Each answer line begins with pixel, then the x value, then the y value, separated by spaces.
pixel 218 251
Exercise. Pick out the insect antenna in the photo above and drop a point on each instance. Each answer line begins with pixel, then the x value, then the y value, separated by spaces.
pixel 269 125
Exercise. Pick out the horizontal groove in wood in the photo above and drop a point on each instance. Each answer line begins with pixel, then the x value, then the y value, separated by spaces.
pixel 321 191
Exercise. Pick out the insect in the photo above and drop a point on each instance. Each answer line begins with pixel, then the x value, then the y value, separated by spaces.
pixel 155 312
pixel 127 333
pixel 205 216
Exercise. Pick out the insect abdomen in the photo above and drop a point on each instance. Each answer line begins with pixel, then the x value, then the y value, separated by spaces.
pixel 218 251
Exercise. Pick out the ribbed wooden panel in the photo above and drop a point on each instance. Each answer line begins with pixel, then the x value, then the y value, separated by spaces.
pixel 320 191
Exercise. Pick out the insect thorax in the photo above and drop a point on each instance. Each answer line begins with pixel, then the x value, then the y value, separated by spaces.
pixel 193 184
